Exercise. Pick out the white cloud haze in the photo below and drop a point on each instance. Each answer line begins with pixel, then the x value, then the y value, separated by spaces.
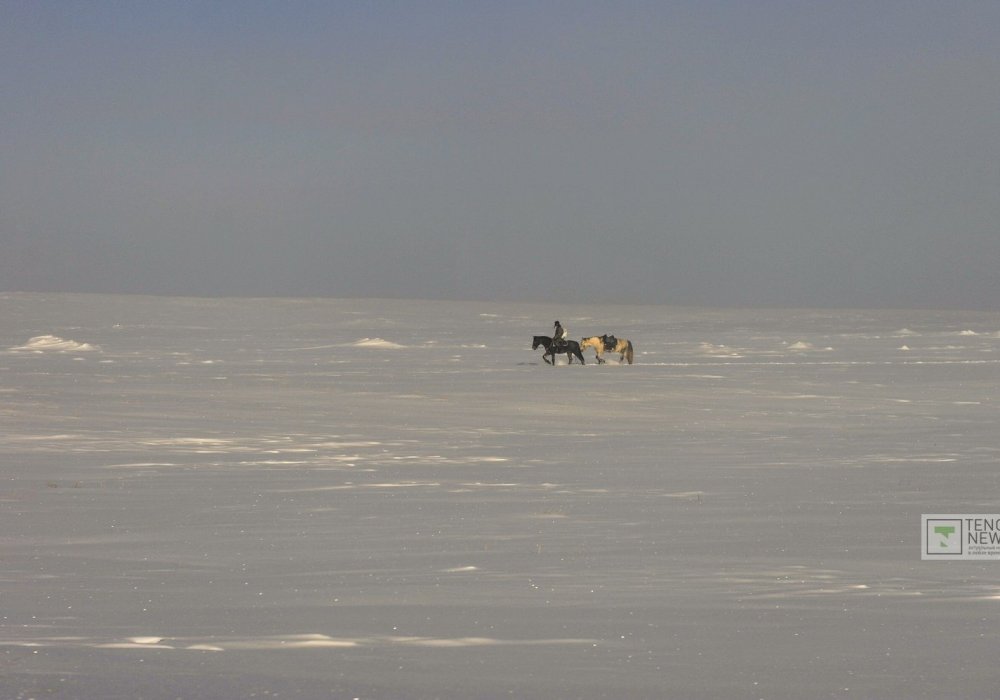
pixel 717 153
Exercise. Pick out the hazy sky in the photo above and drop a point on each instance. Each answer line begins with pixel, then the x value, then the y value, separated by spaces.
pixel 738 152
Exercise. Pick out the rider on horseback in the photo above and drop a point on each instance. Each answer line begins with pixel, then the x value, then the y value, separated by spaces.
pixel 558 335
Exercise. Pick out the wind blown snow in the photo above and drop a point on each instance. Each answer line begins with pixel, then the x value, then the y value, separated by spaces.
pixel 377 343
pixel 52 343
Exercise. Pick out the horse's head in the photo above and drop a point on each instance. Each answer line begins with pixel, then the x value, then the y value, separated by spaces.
pixel 536 342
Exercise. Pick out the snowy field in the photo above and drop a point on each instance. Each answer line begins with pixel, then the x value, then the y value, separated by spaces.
pixel 390 499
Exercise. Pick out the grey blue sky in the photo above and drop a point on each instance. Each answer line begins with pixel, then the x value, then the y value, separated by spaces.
pixel 726 152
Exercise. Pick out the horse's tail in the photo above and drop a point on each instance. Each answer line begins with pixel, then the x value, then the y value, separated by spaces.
pixel 628 351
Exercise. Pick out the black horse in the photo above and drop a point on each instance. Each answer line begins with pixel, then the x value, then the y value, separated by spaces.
pixel 569 348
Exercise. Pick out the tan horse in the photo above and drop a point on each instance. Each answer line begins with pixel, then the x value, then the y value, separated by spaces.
pixel 622 346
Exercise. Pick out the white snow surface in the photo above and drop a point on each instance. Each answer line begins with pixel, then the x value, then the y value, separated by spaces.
pixel 53 343
pixel 377 343
pixel 238 498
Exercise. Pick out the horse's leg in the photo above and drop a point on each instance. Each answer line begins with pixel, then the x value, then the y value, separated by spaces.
pixel 579 353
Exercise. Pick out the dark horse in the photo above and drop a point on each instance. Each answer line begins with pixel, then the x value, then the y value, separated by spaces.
pixel 569 348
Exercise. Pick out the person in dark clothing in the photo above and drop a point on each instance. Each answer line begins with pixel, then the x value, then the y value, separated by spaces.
pixel 558 335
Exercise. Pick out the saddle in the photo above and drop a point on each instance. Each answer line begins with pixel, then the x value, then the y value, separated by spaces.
pixel 610 342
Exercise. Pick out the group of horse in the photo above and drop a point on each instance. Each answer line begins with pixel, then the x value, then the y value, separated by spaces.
pixel 572 348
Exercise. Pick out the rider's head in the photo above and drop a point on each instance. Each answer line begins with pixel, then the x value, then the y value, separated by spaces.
pixel 556 323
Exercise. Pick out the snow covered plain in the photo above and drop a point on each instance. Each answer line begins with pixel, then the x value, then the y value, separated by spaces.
pixel 394 499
